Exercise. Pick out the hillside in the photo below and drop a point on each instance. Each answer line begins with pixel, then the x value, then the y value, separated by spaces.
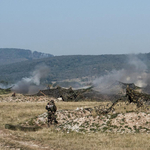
pixel 17 64
pixel 64 67
pixel 69 67
pixel 13 55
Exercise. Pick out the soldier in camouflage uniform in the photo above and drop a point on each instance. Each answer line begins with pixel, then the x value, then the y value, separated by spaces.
pixel 51 107
pixel 133 96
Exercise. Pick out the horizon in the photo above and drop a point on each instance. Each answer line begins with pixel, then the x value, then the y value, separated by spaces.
pixel 79 54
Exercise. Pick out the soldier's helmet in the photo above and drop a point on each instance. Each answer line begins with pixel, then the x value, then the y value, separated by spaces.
pixel 52 101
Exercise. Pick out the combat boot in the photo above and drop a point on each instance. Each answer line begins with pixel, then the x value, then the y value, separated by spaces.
pixel 55 121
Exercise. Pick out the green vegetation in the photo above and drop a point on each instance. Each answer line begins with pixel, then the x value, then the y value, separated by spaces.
pixel 63 67
pixel 4 91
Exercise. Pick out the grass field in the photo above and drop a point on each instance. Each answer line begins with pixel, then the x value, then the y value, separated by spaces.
pixel 50 139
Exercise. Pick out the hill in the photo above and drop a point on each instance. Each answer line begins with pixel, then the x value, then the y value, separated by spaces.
pixel 73 66
pixel 13 55
pixel 64 67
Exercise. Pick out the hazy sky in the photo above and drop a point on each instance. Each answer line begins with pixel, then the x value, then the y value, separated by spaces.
pixel 68 27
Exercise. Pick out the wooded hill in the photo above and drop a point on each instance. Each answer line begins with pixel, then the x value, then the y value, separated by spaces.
pixel 69 67
pixel 12 55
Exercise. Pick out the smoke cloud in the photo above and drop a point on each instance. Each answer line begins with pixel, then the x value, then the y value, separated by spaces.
pixel 31 85
pixel 5 86
pixel 136 72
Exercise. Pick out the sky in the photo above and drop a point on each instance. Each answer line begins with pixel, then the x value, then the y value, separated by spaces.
pixel 76 27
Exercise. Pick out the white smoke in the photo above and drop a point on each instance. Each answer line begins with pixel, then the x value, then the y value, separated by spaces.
pixel 4 86
pixel 134 73
pixel 30 85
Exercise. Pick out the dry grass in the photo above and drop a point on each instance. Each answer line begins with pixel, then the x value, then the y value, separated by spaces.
pixel 48 138
pixel 19 112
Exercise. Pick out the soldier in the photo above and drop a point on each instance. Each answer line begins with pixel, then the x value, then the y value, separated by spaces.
pixel 133 97
pixel 14 94
pixel 51 107
pixel 129 94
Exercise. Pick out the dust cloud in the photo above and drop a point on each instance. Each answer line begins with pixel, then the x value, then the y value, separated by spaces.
pixel 135 72
pixel 32 84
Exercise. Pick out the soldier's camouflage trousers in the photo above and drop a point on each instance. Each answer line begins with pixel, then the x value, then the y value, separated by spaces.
pixel 51 118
